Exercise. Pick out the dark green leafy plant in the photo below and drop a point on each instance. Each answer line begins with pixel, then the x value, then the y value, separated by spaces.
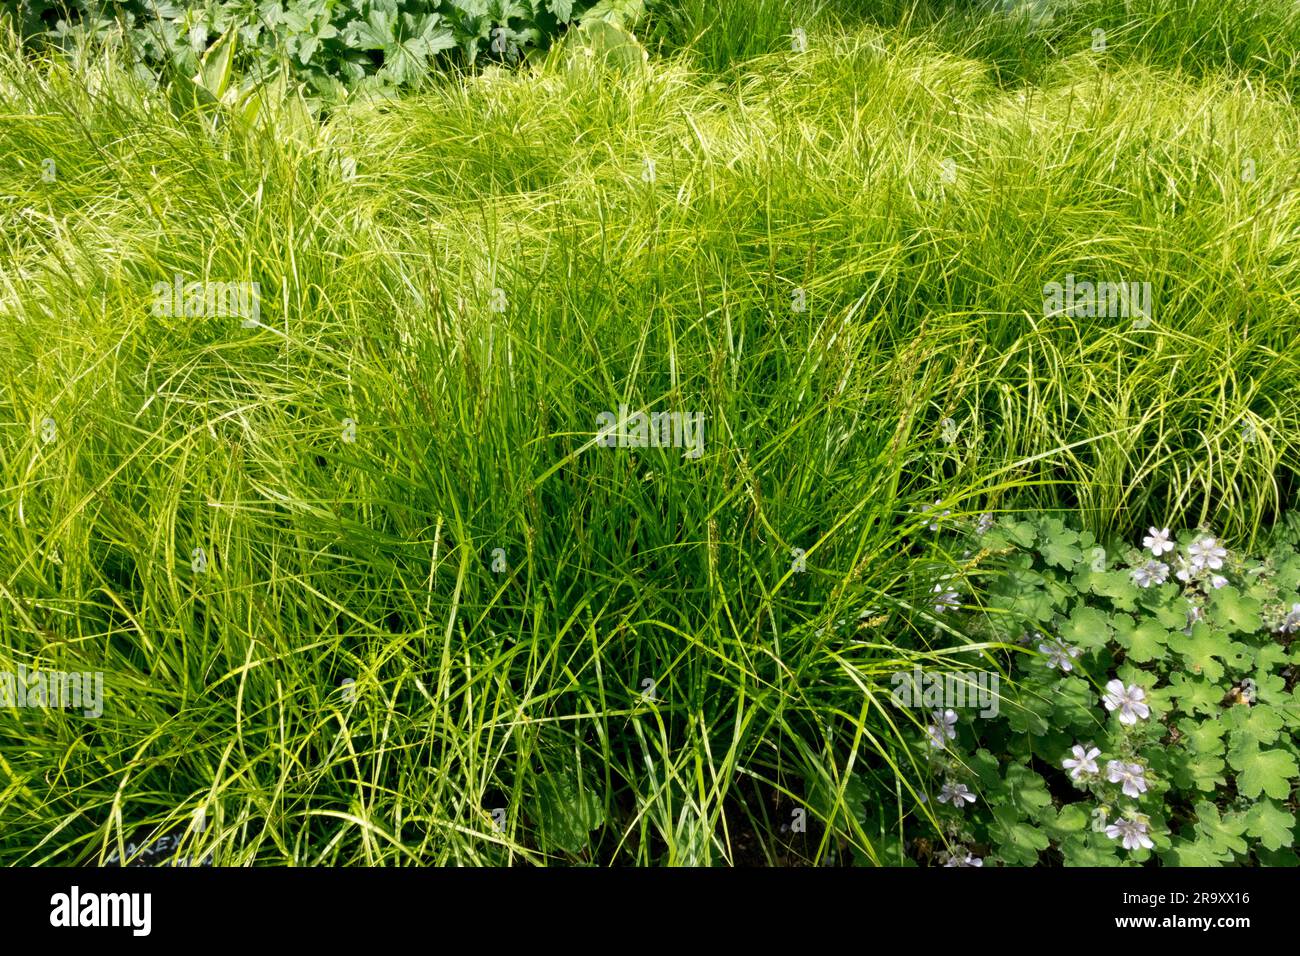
pixel 334 45
pixel 1151 714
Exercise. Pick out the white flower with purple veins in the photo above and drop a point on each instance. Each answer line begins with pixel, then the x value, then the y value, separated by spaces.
pixel 1218 581
pixel 984 524
pixel 1133 832
pixel 947 599
pixel 1130 701
pixel 1131 775
pixel 963 858
pixel 1083 762
pixel 1206 552
pixel 943 729
pixel 955 794
pixel 1291 622
pixel 1153 572
pixel 1059 654
pixel 1184 570
pixel 1157 541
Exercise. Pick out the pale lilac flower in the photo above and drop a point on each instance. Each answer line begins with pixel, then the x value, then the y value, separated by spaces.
pixel 1132 775
pixel 1184 570
pixel 1158 541
pixel 947 599
pixel 963 857
pixel 1291 622
pixel 943 729
pixel 1206 552
pixel 1131 701
pixel 1153 572
pixel 1133 832
pixel 984 524
pixel 935 518
pixel 1059 654
pixel 1083 762
pixel 955 794
pixel 1217 581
